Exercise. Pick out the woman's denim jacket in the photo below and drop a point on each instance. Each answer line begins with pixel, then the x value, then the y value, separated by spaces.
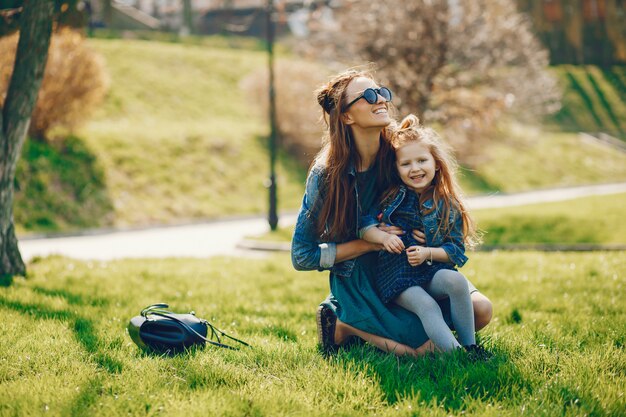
pixel 452 244
pixel 308 252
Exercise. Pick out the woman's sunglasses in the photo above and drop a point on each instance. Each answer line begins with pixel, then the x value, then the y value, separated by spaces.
pixel 371 96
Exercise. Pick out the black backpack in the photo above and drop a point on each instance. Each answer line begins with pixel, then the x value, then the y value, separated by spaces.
pixel 162 331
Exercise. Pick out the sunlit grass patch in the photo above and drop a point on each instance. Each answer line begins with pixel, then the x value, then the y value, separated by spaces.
pixel 178 138
pixel 594 220
pixel 557 333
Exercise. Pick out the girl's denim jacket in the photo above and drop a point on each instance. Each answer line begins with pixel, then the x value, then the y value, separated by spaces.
pixel 308 252
pixel 452 244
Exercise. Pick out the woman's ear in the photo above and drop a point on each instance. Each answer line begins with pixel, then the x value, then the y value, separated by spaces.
pixel 347 119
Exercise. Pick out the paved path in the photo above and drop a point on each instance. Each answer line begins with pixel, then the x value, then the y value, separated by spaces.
pixel 221 238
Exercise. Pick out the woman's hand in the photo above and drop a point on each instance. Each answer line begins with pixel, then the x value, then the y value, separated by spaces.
pixel 419 236
pixel 394 230
pixel 393 244
pixel 416 255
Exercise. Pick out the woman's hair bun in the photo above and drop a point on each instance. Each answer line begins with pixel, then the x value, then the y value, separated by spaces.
pixel 325 100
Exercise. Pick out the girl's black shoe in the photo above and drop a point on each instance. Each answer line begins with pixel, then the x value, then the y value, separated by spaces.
pixel 477 353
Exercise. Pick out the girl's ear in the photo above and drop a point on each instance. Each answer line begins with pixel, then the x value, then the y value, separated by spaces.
pixel 347 119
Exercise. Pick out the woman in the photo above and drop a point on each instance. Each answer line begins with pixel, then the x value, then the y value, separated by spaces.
pixel 352 169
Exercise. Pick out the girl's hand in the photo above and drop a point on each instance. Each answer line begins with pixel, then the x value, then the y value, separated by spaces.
pixel 393 244
pixel 394 230
pixel 419 236
pixel 416 255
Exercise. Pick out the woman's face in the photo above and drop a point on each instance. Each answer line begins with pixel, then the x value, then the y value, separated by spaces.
pixel 363 114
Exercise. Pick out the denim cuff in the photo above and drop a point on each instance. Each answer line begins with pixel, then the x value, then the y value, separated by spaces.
pixel 328 255
pixel 362 230
pixel 456 256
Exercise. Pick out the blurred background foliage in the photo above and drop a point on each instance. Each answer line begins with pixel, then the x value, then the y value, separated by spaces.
pixel 69 13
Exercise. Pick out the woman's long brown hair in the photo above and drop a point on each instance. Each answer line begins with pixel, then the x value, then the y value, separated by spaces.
pixel 337 220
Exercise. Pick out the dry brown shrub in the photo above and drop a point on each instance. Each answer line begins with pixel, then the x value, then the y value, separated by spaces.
pixel 297 112
pixel 74 83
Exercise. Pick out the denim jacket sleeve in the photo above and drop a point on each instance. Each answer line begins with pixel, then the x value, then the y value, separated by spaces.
pixel 368 220
pixel 307 251
pixel 454 244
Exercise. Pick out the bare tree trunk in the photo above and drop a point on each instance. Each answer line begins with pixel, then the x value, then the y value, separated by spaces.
pixel 30 62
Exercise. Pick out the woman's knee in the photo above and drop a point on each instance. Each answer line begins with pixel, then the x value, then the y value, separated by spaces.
pixel 483 310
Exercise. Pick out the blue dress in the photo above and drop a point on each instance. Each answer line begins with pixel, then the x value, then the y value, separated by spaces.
pixel 355 299
pixel 394 273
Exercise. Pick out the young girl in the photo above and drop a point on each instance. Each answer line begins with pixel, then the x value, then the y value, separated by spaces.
pixel 426 197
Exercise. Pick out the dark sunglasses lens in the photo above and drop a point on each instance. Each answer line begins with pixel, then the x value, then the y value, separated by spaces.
pixel 385 93
pixel 370 95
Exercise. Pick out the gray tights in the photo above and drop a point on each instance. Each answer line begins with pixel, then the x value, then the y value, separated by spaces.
pixel 422 302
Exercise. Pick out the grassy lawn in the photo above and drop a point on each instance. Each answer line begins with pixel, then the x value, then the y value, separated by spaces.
pixel 558 333
pixel 595 220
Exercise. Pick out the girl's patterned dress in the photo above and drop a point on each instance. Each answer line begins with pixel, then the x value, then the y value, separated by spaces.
pixel 395 274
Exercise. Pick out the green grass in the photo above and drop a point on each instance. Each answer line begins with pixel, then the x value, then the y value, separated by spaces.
pixel 175 139
pixel 60 186
pixel 212 41
pixel 594 99
pixel 178 138
pixel 530 158
pixel 557 332
pixel 591 220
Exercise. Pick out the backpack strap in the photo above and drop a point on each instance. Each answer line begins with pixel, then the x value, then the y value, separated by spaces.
pixel 160 310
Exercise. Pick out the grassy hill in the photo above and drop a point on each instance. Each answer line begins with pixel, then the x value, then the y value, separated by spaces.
pixel 177 139
pixel 594 99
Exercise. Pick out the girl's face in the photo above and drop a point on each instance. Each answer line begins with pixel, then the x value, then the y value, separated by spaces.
pixel 363 114
pixel 416 165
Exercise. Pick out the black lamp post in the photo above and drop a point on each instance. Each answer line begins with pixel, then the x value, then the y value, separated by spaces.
pixel 273 216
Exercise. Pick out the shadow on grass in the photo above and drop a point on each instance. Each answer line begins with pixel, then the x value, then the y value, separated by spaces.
pixel 447 380
pixel 72 299
pixel 474 183
pixel 89 393
pixel 60 186
pixel 616 128
pixel 83 329
pixel 580 90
